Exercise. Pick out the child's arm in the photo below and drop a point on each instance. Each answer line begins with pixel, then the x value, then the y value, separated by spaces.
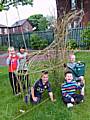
pixel 32 93
pixel 8 61
pixel 50 93
pixel 51 97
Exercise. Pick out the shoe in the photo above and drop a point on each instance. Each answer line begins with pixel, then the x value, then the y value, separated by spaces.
pixel 18 94
pixel 69 105
pixel 82 101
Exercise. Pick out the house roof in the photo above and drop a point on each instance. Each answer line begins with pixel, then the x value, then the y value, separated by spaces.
pixel 3 26
pixel 19 23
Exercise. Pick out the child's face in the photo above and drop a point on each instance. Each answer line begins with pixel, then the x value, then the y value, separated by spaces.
pixel 44 78
pixel 22 50
pixel 69 77
pixel 72 58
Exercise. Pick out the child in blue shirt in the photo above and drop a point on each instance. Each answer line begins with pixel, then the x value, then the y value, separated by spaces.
pixel 39 87
pixel 69 88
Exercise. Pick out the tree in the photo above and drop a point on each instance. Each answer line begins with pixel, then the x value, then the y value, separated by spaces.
pixel 39 21
pixel 5 4
pixel 60 9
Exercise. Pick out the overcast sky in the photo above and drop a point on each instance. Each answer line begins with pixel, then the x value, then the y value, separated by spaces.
pixel 45 7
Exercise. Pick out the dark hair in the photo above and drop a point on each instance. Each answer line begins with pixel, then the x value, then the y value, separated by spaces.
pixel 68 72
pixel 44 72
pixel 21 47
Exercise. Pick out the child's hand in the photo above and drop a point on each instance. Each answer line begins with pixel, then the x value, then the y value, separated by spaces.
pixel 79 61
pixel 72 100
pixel 35 99
pixel 9 56
pixel 64 65
pixel 54 100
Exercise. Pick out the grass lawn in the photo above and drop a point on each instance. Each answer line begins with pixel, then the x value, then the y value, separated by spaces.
pixel 10 105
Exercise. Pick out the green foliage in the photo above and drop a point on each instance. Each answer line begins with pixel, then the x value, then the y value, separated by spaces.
pixel 39 21
pixel 5 4
pixel 42 24
pixel 37 42
pixel 86 35
pixel 3 48
pixel 71 44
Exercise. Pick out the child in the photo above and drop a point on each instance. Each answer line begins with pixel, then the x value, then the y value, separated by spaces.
pixel 23 67
pixel 12 62
pixel 22 54
pixel 71 66
pixel 69 88
pixel 39 87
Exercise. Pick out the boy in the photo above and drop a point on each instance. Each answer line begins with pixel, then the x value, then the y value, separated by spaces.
pixel 70 66
pixel 12 62
pixel 39 87
pixel 69 88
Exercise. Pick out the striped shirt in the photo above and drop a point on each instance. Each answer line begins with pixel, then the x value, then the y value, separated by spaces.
pixel 69 89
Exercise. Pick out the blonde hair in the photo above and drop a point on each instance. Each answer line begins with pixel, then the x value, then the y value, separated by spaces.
pixel 10 49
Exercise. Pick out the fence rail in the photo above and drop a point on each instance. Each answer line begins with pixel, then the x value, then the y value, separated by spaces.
pixel 17 39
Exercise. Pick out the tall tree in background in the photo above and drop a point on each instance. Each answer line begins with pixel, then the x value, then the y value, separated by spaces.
pixel 39 21
pixel 59 11
pixel 5 4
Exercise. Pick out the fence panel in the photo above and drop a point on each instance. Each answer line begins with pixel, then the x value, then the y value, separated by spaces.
pixel 16 40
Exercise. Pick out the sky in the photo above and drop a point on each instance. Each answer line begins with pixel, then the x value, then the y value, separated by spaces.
pixel 45 7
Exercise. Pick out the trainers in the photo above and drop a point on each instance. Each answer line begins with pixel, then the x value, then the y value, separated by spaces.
pixel 82 101
pixel 18 94
pixel 69 105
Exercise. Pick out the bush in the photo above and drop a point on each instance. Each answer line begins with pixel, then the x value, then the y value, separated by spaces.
pixel 3 48
pixel 71 44
pixel 86 35
pixel 37 42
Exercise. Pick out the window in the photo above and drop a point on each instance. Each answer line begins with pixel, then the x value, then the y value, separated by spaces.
pixel 73 4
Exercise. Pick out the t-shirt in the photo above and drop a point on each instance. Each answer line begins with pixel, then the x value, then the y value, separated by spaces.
pixel 22 61
pixel 70 88
pixel 13 63
pixel 71 65
pixel 39 87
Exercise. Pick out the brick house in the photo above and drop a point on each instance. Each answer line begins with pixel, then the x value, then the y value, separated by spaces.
pixel 21 26
pixel 65 6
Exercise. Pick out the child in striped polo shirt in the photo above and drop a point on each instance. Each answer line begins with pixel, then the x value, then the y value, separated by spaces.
pixel 69 88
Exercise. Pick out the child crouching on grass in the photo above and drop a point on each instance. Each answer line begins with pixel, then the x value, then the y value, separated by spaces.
pixel 69 88
pixel 39 87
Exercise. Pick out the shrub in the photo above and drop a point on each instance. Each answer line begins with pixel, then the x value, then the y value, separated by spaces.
pixel 71 44
pixel 3 48
pixel 37 43
pixel 86 35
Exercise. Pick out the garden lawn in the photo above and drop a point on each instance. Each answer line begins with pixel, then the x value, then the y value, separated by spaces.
pixel 10 105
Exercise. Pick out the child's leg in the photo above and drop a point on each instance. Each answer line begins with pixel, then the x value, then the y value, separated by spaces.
pixel 66 100
pixel 83 88
pixel 78 98
pixel 11 81
pixel 15 83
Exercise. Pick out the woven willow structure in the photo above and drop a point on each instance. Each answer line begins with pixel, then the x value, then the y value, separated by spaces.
pixel 52 57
